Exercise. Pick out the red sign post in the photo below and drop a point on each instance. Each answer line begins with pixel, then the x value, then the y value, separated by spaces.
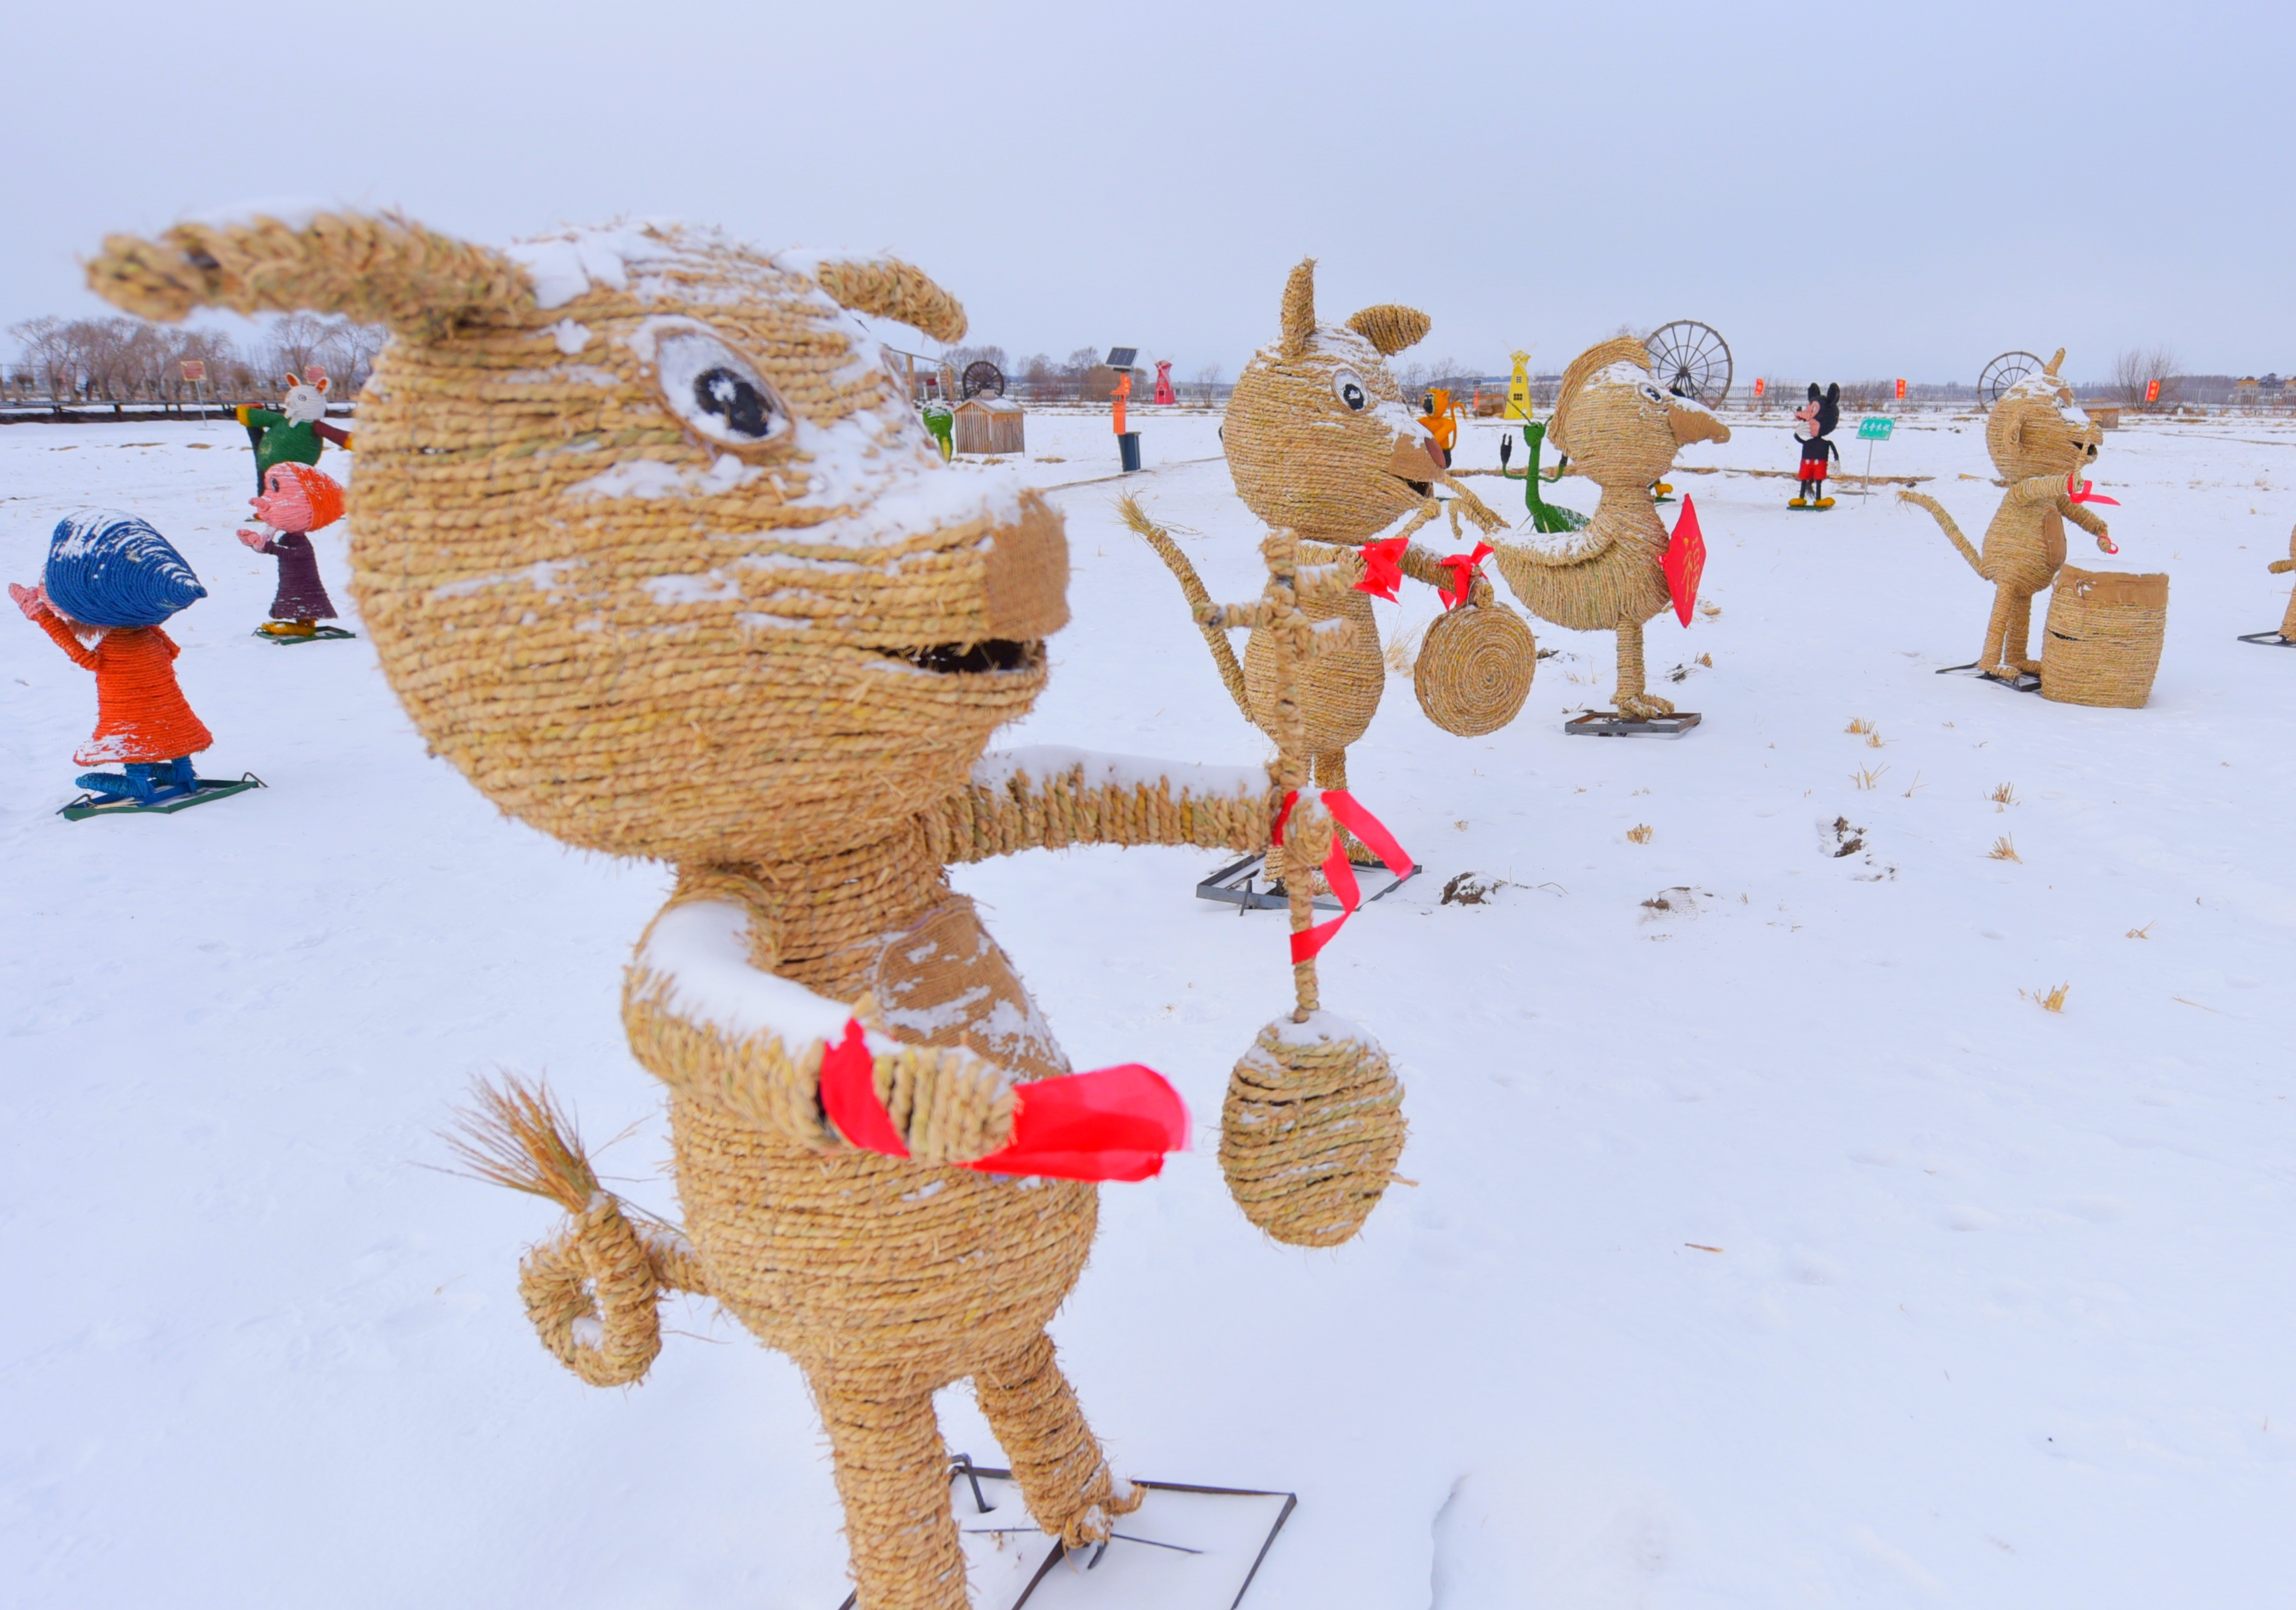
pixel 1901 390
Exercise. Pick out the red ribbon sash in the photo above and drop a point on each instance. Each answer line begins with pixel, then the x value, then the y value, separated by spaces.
pixel 1112 1124
pixel 1338 871
pixel 1463 568
pixel 2085 496
pixel 1383 567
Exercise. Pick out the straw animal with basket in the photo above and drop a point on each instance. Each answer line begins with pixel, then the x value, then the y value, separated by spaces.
pixel 2041 443
pixel 653 548
pixel 1320 444
pixel 1620 431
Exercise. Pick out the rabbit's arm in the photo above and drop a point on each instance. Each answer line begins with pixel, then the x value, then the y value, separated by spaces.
pixel 708 1016
pixel 1048 797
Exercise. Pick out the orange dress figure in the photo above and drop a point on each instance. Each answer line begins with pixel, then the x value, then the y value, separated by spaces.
pixel 1123 390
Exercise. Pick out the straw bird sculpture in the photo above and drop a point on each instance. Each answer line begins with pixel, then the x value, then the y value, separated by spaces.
pixel 653 547
pixel 2041 444
pixel 1320 444
pixel 1621 432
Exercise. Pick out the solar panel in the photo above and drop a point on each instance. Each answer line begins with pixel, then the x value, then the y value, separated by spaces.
pixel 1121 357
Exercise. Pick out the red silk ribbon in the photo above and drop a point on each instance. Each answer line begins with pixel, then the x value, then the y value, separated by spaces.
pixel 1112 1124
pixel 1463 568
pixel 1338 871
pixel 1383 567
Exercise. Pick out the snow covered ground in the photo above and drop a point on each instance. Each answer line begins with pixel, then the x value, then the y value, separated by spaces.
pixel 1770 1246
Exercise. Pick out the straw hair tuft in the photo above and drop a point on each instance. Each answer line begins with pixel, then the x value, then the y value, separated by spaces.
pixel 515 1135
pixel 1390 326
pixel 384 270
pixel 889 288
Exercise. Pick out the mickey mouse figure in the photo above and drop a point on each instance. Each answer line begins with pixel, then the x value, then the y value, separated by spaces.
pixel 1814 425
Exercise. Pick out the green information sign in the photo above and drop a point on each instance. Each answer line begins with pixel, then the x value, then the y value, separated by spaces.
pixel 1876 429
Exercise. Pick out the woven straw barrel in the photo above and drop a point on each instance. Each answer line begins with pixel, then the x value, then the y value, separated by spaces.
pixel 1474 668
pixel 1310 1133
pixel 2103 645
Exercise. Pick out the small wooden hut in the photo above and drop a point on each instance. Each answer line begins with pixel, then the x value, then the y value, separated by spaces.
pixel 989 424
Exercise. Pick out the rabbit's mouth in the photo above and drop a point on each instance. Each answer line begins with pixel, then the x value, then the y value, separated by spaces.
pixel 1420 489
pixel 972 659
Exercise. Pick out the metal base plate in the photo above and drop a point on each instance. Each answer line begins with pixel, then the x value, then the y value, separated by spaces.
pixel 207 788
pixel 2269 639
pixel 2026 682
pixel 325 634
pixel 1184 1549
pixel 1233 884
pixel 1611 723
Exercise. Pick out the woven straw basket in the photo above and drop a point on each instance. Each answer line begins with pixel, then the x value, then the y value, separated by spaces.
pixel 1474 668
pixel 1310 1132
pixel 2103 640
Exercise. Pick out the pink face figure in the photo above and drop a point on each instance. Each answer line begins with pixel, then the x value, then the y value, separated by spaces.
pixel 283 504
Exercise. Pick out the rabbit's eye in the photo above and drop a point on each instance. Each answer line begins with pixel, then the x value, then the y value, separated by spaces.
pixel 1652 392
pixel 717 392
pixel 1349 389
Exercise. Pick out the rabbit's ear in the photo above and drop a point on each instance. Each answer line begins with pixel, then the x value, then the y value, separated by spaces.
pixel 890 288
pixel 2050 368
pixel 321 384
pixel 385 270
pixel 1299 308
pixel 1390 326
pixel 292 381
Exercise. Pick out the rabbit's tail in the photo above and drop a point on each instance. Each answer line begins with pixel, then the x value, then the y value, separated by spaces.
pixel 1191 588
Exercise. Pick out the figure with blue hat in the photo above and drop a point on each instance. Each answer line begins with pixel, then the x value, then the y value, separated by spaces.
pixel 111 581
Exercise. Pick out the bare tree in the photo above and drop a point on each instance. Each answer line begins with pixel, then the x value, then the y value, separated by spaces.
pixel 1207 380
pixel 2135 371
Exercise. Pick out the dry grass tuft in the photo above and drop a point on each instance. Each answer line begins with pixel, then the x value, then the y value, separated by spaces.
pixel 2048 1001
pixel 517 1137
pixel 2003 797
pixel 1639 833
pixel 1403 652
pixel 2005 849
pixel 1707 660
pixel 2146 932
pixel 1867 776
pixel 1859 726
pixel 1873 740
pixel 1917 783
pixel 1710 609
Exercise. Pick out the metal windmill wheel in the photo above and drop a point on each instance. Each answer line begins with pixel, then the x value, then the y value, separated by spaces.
pixel 982 378
pixel 2002 373
pixel 1692 359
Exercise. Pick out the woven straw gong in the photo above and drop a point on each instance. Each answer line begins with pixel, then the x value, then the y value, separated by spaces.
pixel 1474 668
pixel 1310 1132
pixel 2103 645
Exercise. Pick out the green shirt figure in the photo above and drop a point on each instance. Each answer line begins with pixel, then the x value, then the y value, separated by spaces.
pixel 298 433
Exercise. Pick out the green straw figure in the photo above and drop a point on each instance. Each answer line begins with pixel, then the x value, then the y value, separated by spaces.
pixel 1550 519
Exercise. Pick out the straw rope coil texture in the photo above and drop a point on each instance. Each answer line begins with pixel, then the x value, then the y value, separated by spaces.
pixel 1474 668
pixel 486 573
pixel 1062 809
pixel 2104 635
pixel 591 1293
pixel 1310 1133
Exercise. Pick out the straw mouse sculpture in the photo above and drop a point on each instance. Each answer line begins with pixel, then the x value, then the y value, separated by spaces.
pixel 652 547
pixel 2041 444
pixel 1621 432
pixel 1321 445
pixel 2281 567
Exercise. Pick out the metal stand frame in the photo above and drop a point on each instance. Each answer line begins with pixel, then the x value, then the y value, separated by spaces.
pixel 2026 682
pixel 962 1468
pixel 204 790
pixel 2268 639
pixel 1233 884
pixel 1611 723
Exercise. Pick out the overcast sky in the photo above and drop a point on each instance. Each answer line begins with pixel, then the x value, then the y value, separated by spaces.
pixel 1847 191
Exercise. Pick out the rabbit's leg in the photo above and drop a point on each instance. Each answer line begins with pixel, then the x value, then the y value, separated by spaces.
pixel 892 1474
pixel 1634 702
pixel 1063 1475
pixel 2018 635
pixel 1994 660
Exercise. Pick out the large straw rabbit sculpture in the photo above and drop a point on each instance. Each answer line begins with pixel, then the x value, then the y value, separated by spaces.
pixel 1320 445
pixel 2041 443
pixel 1622 432
pixel 653 548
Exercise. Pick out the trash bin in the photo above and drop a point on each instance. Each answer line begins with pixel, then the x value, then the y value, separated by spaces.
pixel 1128 445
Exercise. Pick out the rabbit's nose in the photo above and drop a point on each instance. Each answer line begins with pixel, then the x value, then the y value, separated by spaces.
pixel 1415 458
